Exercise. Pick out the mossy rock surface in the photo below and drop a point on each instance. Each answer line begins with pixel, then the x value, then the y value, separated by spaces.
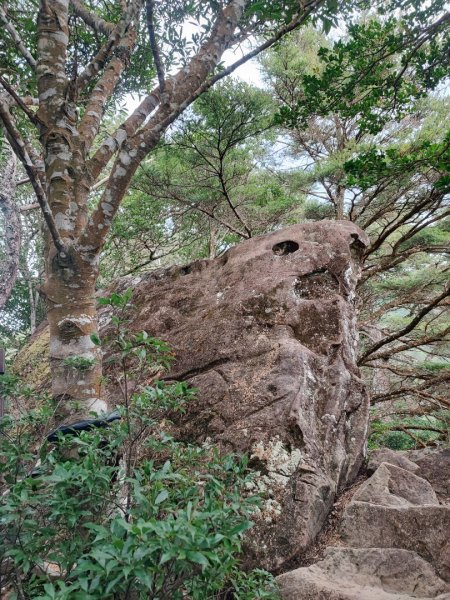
pixel 32 363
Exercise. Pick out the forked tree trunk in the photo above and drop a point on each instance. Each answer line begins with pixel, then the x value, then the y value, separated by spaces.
pixel 69 166
pixel 75 360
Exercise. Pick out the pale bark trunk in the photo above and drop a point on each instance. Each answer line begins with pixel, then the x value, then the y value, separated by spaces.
pixel 8 271
pixel 340 189
pixel 32 307
pixel 72 317
pixel 340 199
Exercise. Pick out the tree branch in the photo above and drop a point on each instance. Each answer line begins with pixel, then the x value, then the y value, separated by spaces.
pixel 91 19
pixel 27 207
pixel 18 100
pixel 116 36
pixel 16 38
pixel 154 45
pixel 19 147
pixel 417 391
pixel 122 38
pixel 417 319
pixel 425 341
pixel 108 148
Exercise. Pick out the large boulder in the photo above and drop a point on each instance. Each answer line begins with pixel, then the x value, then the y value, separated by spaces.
pixel 393 486
pixel 267 334
pixel 422 529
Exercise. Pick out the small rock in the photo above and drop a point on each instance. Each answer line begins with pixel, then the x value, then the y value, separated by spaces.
pixel 393 486
pixel 389 456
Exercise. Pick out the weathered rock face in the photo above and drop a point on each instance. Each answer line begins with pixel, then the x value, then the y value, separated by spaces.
pixel 394 486
pixel 267 333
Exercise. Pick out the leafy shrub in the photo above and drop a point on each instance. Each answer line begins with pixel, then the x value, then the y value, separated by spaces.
pixel 125 511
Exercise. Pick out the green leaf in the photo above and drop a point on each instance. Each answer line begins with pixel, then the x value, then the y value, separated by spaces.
pixel 95 339
pixel 50 590
pixel 197 557
pixel 163 495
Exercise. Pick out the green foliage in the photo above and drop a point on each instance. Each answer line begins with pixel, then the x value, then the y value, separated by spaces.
pixel 317 211
pixel 374 76
pixel 266 13
pixel 12 344
pixel 205 188
pixel 81 363
pixel 368 168
pixel 409 433
pixel 126 509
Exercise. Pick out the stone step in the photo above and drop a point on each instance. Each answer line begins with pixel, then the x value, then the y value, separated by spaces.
pixel 365 574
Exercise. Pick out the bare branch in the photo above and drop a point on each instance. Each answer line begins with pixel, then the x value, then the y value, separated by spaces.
pixel 424 341
pixel 19 147
pixel 124 37
pixel 20 102
pixel 95 66
pixel 104 153
pixel 412 324
pixel 91 19
pixel 154 45
pixel 99 61
pixel 100 183
pixel 90 123
pixel 419 390
pixel 16 38
pixel 27 207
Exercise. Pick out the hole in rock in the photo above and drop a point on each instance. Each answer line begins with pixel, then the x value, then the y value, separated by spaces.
pixel 357 248
pixel 283 248
pixel 186 270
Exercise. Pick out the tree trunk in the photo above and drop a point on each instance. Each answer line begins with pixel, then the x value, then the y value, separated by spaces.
pixel 32 307
pixel 340 199
pixel 212 245
pixel 75 360
pixel 9 268
pixel 67 168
